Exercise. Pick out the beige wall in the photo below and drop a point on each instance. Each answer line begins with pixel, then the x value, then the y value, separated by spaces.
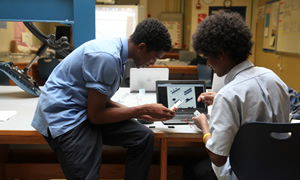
pixel 188 7
pixel 7 35
pixel 156 7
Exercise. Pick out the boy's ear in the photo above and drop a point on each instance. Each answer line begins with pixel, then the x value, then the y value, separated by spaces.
pixel 221 54
pixel 141 46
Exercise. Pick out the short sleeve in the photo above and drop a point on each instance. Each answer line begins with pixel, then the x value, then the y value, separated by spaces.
pixel 224 123
pixel 100 71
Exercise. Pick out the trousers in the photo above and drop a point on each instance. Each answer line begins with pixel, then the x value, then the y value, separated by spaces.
pixel 79 151
pixel 199 169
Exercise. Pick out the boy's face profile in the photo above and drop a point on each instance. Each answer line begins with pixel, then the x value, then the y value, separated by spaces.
pixel 221 65
pixel 146 58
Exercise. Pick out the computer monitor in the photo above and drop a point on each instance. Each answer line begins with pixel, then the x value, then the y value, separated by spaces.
pixel 187 55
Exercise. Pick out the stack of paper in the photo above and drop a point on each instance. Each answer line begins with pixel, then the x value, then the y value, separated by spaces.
pixel 6 115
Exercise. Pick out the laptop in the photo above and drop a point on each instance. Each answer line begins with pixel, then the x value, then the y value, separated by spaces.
pixel 145 78
pixel 170 91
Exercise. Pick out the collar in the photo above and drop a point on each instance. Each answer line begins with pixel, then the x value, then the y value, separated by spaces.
pixel 237 69
pixel 124 50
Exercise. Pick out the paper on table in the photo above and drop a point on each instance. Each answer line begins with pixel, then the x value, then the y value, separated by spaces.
pixel 6 115
pixel 295 121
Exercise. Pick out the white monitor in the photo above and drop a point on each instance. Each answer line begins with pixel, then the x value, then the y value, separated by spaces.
pixel 218 82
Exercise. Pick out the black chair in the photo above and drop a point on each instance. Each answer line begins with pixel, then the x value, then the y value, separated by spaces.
pixel 46 66
pixel 206 74
pixel 266 151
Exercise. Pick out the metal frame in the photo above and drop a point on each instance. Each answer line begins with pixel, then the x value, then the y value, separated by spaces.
pixel 79 13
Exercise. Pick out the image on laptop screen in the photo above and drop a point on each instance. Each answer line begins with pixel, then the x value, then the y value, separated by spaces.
pixel 169 92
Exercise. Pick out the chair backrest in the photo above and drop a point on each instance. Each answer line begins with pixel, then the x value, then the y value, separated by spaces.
pixel 205 73
pixel 46 66
pixel 257 154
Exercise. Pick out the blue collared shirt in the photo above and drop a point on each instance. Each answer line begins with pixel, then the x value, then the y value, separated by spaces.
pixel 97 64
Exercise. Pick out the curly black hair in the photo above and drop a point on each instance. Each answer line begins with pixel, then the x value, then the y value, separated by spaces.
pixel 223 31
pixel 154 34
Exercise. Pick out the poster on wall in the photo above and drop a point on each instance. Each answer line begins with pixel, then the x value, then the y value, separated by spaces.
pixel 270 25
pixel 174 30
pixel 288 36
pixel 201 17
pixel 239 9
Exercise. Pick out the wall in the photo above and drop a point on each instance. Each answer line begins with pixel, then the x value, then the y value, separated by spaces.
pixel 7 35
pixel 44 28
pixel 286 66
pixel 188 8
pixel 156 7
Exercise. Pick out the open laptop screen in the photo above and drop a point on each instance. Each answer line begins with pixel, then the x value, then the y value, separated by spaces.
pixel 169 92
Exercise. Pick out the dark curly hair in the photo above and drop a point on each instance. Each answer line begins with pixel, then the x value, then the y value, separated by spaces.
pixel 154 34
pixel 223 31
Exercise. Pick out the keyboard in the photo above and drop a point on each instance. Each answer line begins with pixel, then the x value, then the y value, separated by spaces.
pixel 188 116
pixel 183 117
pixel 179 119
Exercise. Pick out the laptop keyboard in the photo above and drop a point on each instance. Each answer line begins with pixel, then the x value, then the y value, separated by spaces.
pixel 183 117
pixel 188 116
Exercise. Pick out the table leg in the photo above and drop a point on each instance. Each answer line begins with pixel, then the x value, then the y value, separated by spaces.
pixel 4 152
pixel 163 158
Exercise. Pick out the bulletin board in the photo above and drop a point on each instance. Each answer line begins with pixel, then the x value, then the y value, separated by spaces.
pixel 288 39
pixel 174 28
pixel 173 22
pixel 270 25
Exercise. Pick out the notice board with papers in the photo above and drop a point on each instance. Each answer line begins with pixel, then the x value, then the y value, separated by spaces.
pixel 288 36
pixel 270 25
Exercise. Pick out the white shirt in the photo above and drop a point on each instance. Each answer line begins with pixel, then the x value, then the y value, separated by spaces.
pixel 250 94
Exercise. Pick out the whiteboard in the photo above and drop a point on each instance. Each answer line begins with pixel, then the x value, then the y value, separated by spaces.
pixel 288 36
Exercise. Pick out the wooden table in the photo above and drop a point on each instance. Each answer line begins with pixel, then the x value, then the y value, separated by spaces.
pixel 18 130
pixel 52 170
pixel 185 69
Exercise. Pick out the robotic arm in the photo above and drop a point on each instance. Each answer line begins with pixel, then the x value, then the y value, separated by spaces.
pixel 21 76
